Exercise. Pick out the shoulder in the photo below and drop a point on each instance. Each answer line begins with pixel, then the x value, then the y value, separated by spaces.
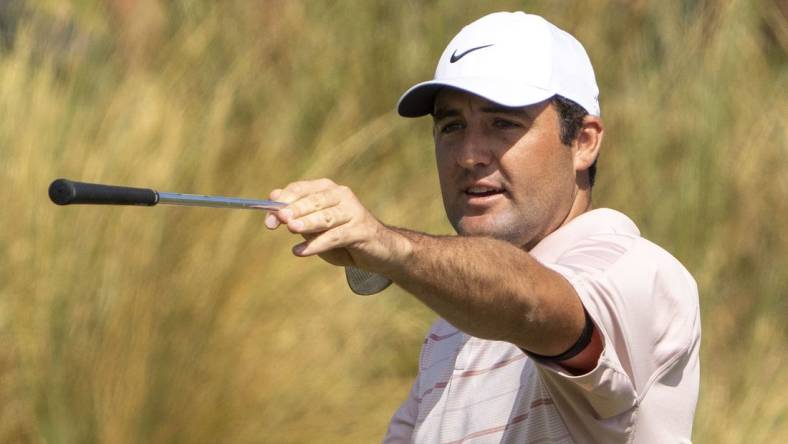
pixel 643 300
pixel 634 265
pixel 633 276
pixel 607 241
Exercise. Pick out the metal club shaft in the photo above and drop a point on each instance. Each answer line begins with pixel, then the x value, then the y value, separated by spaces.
pixel 68 192
pixel 196 200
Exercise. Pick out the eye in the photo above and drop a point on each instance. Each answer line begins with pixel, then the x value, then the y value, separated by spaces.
pixel 504 123
pixel 450 127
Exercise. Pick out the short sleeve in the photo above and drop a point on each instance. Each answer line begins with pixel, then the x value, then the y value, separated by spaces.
pixel 402 423
pixel 643 302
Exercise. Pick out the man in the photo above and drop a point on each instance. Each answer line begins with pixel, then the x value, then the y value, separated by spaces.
pixel 559 323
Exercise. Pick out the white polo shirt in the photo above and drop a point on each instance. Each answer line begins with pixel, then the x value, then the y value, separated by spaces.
pixel 643 390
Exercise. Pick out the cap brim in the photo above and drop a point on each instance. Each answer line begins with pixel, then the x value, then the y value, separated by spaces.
pixel 419 100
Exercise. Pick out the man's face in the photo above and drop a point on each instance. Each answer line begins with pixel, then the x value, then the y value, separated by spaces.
pixel 503 171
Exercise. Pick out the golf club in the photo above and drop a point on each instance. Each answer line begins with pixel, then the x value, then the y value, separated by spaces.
pixel 68 192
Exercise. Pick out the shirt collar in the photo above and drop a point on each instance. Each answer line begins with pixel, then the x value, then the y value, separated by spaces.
pixel 598 221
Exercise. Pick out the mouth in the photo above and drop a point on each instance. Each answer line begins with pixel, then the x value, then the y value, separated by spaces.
pixel 483 191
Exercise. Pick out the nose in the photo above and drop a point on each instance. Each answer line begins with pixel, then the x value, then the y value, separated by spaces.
pixel 473 151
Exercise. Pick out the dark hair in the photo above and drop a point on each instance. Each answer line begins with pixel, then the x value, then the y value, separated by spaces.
pixel 571 116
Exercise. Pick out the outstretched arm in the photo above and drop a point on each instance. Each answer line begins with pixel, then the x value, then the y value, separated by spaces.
pixel 485 287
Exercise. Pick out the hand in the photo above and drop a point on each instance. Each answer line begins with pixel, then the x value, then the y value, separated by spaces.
pixel 336 226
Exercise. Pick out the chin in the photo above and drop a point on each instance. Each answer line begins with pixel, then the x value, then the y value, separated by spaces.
pixel 492 227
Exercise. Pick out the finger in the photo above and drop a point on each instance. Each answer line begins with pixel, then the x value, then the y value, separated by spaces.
pixel 319 221
pixel 311 203
pixel 296 190
pixel 271 221
pixel 308 237
pixel 335 256
pixel 327 241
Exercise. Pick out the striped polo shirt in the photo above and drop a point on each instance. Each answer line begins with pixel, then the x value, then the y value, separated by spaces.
pixel 643 389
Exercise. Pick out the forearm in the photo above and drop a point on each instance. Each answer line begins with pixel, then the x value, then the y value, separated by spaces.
pixel 486 287
pixel 490 289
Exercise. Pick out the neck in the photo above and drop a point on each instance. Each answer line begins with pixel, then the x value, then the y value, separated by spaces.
pixel 582 201
pixel 580 204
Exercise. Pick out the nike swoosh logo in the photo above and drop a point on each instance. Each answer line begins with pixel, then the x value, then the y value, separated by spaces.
pixel 455 56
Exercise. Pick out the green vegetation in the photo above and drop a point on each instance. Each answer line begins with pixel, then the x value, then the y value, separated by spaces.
pixel 173 325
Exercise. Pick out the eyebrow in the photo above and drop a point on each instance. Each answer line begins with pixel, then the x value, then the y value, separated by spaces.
pixel 442 113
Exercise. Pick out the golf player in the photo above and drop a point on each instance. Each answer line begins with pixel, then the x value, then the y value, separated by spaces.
pixel 558 322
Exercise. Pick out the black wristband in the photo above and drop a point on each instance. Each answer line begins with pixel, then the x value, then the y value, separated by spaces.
pixel 574 350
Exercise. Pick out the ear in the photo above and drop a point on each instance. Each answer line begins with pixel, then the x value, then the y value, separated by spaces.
pixel 585 147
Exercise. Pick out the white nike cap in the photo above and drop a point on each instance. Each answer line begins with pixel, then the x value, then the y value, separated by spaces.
pixel 513 59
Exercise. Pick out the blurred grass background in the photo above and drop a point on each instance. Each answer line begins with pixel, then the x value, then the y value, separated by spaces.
pixel 172 325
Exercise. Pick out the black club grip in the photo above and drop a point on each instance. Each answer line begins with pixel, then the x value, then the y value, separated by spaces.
pixel 66 192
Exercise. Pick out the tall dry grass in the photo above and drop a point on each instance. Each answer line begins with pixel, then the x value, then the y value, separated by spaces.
pixel 195 325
